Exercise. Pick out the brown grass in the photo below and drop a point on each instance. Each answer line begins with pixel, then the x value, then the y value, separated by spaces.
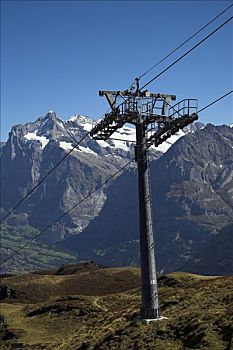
pixel 98 309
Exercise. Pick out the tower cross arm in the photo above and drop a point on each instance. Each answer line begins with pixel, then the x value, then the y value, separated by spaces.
pixel 162 134
pixel 147 93
pixel 129 93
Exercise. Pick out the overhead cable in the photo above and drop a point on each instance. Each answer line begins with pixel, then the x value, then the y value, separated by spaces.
pixel 187 52
pixel 185 42
pixel 215 101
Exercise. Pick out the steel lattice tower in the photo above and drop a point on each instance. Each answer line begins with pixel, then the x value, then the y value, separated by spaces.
pixel 155 121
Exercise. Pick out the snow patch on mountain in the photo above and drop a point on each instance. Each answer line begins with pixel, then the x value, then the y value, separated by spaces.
pixel 60 123
pixel 32 136
pixel 86 150
pixel 86 123
pixel 103 143
pixel 67 146
pixel 120 145
pixel 127 133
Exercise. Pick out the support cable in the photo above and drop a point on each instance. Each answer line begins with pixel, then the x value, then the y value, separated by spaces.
pixel 215 101
pixel 184 42
pixel 67 212
pixel 187 52
pixel 182 56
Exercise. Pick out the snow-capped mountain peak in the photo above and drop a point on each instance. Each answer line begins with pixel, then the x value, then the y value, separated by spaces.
pixel 83 121
pixel 68 132
pixel 32 136
pixel 79 118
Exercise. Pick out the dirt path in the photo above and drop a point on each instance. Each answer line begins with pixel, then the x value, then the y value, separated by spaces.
pixel 101 307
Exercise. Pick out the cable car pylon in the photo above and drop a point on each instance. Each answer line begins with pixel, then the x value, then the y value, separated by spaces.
pixel 155 121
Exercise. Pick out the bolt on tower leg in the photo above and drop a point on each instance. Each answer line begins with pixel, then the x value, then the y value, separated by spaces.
pixel 150 303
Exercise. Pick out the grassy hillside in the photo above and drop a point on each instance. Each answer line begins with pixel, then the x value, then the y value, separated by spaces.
pixel 87 306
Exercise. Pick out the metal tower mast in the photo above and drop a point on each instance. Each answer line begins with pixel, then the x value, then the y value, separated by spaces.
pixel 155 122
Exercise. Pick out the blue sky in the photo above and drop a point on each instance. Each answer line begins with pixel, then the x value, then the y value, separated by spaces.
pixel 56 55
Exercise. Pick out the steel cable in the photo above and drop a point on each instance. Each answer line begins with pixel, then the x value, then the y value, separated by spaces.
pixel 187 52
pixel 184 42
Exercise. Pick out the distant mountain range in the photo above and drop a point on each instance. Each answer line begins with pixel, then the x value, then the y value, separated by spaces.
pixel 192 185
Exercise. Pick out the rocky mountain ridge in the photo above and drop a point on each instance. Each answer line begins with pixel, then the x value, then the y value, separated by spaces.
pixel 192 194
pixel 33 149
